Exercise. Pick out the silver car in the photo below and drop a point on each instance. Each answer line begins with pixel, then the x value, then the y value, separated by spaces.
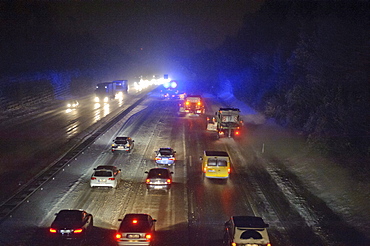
pixel 136 229
pixel 165 156
pixel 123 143
pixel 107 176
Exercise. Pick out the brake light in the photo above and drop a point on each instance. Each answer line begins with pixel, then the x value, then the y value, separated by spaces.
pixel 236 133
pixel 77 230
pixel 172 159
pixel 52 230
pixel 147 181
pixel 111 178
pixel 134 221
pixel 187 103
pixel 233 244
pixel 269 244
pixel 118 235
pixel 169 181
pixel 148 236
pixel 158 158
pixel 228 170
pixel 205 170
pixel 199 103
pixel 93 178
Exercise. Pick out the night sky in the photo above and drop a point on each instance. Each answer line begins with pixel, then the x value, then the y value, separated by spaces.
pixel 144 30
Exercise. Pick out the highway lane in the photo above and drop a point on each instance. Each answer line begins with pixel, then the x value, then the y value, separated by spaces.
pixel 194 211
pixel 31 143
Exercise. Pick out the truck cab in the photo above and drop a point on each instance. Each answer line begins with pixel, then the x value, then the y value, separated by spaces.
pixel 192 104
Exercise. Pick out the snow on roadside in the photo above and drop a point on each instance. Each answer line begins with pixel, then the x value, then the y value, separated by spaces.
pixel 345 194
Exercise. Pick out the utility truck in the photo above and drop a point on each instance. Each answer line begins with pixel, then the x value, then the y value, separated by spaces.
pixel 192 104
pixel 226 122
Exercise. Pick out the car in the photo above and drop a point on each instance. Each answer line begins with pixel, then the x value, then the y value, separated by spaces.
pixel 165 156
pixel 136 229
pixel 72 104
pixel 246 230
pixel 158 179
pixel 71 224
pixel 105 175
pixel 122 143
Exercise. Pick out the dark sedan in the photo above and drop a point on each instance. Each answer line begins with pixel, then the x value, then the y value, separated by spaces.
pixel 71 224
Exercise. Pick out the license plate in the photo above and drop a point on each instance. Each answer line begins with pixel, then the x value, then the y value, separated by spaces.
pixel 65 231
pixel 120 147
pixel 102 180
pixel 211 170
pixel 133 236
pixel 158 187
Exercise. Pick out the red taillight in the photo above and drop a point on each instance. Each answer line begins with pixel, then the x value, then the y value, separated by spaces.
pixel 172 158
pixel 169 181
pixel 148 236
pixel 52 230
pixel 205 170
pixel 158 158
pixel 269 244
pixel 199 103
pixel 77 230
pixel 111 178
pixel 118 235
pixel 134 221
pixel 228 170
pixel 233 244
pixel 147 181
pixel 187 103
pixel 93 178
pixel 236 133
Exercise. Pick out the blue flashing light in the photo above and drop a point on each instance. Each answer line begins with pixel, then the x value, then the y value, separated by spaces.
pixel 166 85
pixel 173 84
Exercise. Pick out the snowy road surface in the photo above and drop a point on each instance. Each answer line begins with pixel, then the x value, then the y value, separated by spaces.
pixel 265 181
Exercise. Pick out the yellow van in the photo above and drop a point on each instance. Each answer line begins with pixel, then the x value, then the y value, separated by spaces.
pixel 215 164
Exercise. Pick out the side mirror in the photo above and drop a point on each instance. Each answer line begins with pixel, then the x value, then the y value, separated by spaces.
pixel 200 158
pixel 133 140
pixel 174 152
pixel 267 225
pixel 154 220
pixel 146 172
pixel 171 172
pixel 119 170
pixel 119 219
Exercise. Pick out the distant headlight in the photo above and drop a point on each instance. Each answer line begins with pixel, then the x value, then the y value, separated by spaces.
pixel 97 99
pixel 106 99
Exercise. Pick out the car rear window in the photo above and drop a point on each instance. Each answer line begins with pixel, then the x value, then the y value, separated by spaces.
pixel 69 216
pixel 251 234
pixel 120 141
pixel 165 152
pixel 162 174
pixel 103 173
pixel 217 162
pixel 140 226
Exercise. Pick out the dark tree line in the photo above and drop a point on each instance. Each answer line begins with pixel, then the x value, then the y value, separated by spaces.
pixel 306 64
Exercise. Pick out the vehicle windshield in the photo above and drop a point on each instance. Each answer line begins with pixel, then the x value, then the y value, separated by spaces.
pixel 120 141
pixel 165 152
pixel 103 173
pixel 161 174
pixel 251 234
pixel 69 216
pixel 217 162
pixel 129 226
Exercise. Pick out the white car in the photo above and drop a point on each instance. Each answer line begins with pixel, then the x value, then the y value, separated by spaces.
pixel 108 176
pixel 246 230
